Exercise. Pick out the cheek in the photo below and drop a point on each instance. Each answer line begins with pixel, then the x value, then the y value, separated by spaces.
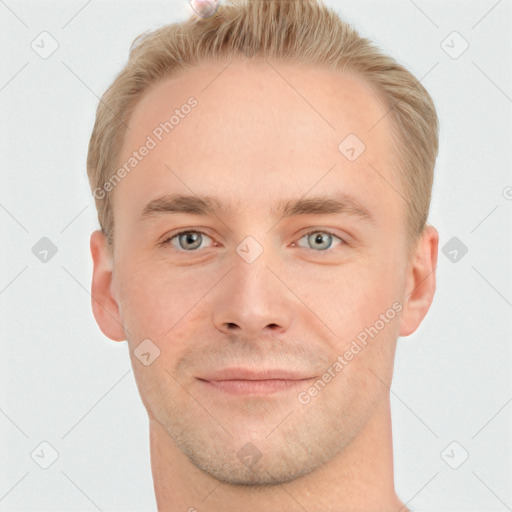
pixel 359 303
pixel 155 296
pixel 350 297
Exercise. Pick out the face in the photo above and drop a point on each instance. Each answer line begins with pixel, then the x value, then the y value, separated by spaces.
pixel 271 319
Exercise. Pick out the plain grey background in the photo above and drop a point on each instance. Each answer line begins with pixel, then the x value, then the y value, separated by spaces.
pixel 64 383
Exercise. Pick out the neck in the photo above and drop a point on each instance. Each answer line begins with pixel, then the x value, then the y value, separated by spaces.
pixel 358 479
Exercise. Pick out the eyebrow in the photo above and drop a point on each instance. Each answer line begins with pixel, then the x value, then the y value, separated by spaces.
pixel 206 205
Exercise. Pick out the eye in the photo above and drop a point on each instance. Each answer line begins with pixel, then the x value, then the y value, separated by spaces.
pixel 186 240
pixel 321 240
pixel 190 241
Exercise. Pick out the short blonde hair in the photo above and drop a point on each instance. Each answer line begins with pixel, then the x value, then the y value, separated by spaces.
pixel 302 31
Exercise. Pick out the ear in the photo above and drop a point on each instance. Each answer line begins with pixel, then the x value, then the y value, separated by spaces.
pixel 104 305
pixel 420 281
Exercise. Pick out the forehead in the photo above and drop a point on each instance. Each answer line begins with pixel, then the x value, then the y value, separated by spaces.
pixel 260 132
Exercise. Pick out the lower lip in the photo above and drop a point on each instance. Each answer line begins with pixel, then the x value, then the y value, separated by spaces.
pixel 254 387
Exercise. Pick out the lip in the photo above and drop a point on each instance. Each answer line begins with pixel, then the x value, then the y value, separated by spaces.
pixel 255 374
pixel 245 381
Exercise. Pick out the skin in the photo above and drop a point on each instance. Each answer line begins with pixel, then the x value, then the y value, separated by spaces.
pixel 252 141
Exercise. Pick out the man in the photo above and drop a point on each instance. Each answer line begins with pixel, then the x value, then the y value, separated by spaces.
pixel 263 180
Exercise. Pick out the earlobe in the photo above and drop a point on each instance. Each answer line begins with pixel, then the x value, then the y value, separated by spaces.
pixel 420 281
pixel 104 306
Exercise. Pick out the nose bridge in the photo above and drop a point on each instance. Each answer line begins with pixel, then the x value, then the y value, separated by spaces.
pixel 252 280
pixel 251 277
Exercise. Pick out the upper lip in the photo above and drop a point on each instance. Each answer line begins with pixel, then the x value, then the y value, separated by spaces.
pixel 253 374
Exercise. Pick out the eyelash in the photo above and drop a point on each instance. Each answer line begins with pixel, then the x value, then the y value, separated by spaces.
pixel 168 240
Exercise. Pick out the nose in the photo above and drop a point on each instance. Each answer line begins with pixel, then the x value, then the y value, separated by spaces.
pixel 253 300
